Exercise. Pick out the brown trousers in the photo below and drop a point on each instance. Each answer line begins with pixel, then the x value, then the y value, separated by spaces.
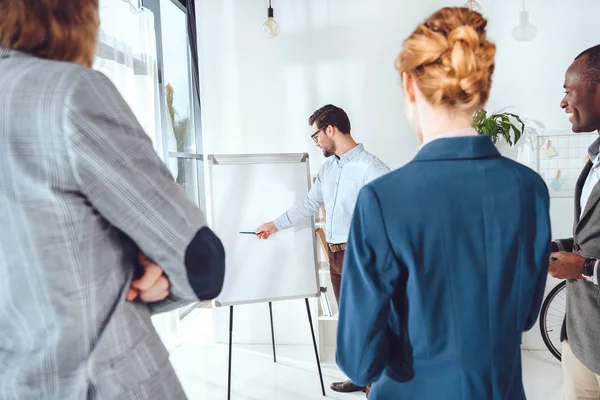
pixel 336 262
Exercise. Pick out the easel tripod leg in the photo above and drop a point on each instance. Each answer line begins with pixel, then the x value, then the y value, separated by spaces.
pixel 230 348
pixel 272 332
pixel 312 331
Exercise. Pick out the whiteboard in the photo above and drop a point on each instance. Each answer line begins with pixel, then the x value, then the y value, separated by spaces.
pixel 245 191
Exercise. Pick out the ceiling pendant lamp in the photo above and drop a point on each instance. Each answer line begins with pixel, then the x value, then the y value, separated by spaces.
pixel 524 32
pixel 473 6
pixel 270 27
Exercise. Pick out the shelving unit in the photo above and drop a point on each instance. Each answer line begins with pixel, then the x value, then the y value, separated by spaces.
pixel 327 325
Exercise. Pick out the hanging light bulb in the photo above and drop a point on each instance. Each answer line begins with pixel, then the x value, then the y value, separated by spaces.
pixel 473 6
pixel 270 27
pixel 524 32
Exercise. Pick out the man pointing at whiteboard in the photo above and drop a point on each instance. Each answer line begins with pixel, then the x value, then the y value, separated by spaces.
pixel 337 186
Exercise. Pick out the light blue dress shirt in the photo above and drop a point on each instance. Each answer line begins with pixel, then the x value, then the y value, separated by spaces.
pixel 337 186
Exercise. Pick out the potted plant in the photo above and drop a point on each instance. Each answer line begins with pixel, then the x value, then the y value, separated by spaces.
pixel 498 125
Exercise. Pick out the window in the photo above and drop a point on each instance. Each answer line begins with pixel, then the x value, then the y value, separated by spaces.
pixel 181 138
pixel 180 105
pixel 176 73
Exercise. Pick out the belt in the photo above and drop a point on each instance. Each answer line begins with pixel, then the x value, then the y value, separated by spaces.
pixel 336 248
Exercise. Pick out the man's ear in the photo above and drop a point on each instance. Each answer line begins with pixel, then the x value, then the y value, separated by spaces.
pixel 330 130
pixel 407 85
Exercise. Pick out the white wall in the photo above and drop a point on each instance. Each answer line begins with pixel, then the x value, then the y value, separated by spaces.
pixel 258 93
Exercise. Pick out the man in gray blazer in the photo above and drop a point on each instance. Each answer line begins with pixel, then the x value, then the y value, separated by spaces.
pixel 576 258
pixel 82 191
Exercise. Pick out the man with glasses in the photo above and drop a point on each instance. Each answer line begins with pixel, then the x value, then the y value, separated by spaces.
pixel 337 186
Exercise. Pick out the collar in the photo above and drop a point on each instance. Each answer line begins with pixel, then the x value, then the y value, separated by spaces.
pixel 459 133
pixel 350 154
pixel 458 148
pixel 5 52
pixel 594 148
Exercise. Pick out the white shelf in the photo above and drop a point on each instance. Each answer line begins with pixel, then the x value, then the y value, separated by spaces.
pixel 334 317
pixel 328 356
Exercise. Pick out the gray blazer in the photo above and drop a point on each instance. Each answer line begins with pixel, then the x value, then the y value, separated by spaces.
pixel 583 297
pixel 81 190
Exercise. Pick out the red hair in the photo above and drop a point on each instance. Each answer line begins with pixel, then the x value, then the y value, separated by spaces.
pixel 61 30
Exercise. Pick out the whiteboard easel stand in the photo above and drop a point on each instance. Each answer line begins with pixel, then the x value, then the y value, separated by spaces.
pixel 230 173
pixel 312 331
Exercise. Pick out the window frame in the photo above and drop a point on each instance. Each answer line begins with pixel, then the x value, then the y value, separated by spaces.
pixel 194 101
pixel 195 112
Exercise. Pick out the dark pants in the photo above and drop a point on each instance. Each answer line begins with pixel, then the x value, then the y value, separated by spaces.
pixel 336 262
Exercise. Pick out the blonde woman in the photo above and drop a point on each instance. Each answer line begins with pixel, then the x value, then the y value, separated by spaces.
pixel 448 256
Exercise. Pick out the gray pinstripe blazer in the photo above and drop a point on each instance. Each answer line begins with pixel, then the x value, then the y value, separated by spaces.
pixel 81 190
pixel 582 322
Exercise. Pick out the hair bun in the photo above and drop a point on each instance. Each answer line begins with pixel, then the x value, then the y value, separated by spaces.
pixel 463 43
pixel 466 34
pixel 450 58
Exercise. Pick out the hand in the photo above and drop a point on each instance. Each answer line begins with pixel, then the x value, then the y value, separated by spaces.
pixel 152 286
pixel 566 266
pixel 266 230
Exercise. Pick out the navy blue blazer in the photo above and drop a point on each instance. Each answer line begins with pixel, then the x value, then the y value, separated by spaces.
pixel 445 269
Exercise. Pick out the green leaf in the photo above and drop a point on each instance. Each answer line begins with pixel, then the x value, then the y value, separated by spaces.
pixel 500 124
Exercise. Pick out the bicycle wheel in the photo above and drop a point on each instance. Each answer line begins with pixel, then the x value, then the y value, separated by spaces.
pixel 551 318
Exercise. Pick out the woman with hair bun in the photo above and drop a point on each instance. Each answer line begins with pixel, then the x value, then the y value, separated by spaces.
pixel 447 257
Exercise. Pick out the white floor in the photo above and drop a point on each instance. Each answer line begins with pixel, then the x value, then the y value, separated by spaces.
pixel 202 369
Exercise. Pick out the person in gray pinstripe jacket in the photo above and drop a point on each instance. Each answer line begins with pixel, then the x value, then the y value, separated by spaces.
pixel 82 192
pixel 577 259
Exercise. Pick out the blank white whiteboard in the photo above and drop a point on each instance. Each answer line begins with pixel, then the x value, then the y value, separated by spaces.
pixel 244 192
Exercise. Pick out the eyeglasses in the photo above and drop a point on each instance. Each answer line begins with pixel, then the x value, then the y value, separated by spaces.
pixel 314 135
